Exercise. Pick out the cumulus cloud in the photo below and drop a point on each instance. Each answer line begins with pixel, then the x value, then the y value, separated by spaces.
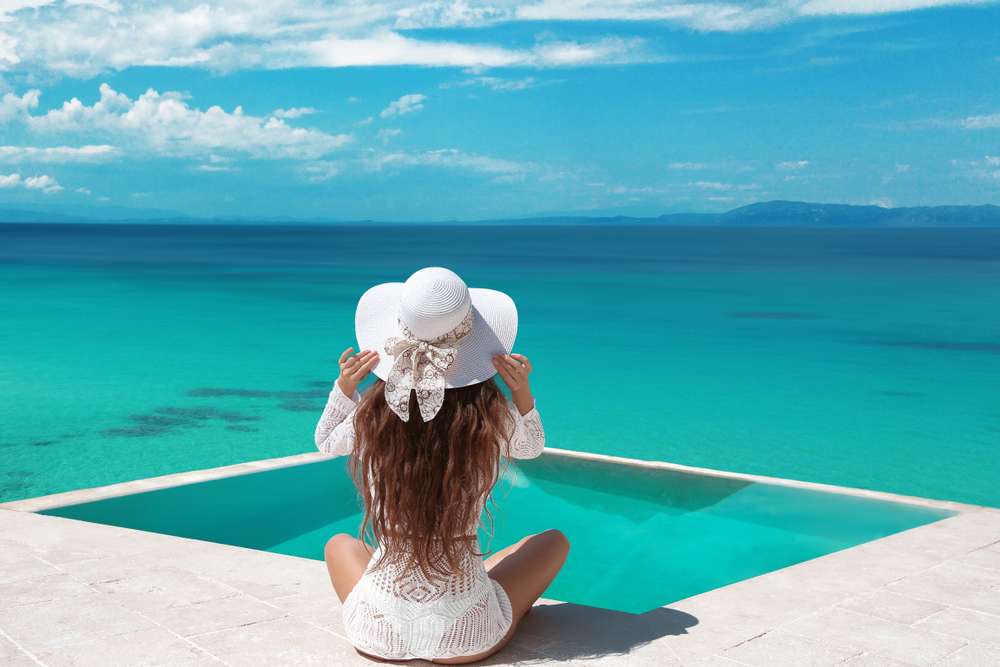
pixel 386 134
pixel 166 125
pixel 82 191
pixel 12 106
pixel 405 104
pixel 981 122
pixel 57 154
pixel 293 113
pixel 45 183
pixel 792 166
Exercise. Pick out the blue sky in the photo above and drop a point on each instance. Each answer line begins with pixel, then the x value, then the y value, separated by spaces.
pixel 414 111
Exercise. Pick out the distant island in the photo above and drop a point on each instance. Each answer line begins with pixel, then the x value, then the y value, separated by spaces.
pixel 765 214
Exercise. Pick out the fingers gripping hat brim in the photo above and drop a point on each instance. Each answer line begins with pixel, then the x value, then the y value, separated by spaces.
pixel 494 332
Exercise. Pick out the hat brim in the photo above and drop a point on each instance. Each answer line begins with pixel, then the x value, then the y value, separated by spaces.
pixel 494 331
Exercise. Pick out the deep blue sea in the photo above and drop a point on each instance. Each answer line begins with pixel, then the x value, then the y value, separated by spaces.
pixel 860 357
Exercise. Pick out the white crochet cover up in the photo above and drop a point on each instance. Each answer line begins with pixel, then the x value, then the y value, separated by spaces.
pixel 399 616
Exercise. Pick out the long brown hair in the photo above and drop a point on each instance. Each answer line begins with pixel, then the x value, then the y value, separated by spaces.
pixel 423 483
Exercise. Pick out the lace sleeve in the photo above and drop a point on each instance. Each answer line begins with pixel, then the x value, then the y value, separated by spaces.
pixel 528 439
pixel 335 431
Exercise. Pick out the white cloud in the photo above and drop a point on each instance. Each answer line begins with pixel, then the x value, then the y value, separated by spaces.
pixel 822 7
pixel 82 191
pixel 386 134
pixel 706 185
pixel 365 121
pixel 791 166
pixel 496 83
pixel 902 168
pixel 213 168
pixel 405 104
pixel 693 166
pixel 980 122
pixel 881 202
pixel 993 161
pixel 57 153
pixel 449 158
pixel 293 113
pixel 319 171
pixel 83 39
pixel 45 183
pixel 12 106
pixel 166 125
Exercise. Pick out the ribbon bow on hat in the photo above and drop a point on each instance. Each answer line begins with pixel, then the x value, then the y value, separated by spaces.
pixel 422 365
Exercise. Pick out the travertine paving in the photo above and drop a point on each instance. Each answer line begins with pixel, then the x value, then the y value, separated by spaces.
pixel 80 594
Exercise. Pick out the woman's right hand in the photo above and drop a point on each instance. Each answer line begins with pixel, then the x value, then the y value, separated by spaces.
pixel 514 369
pixel 354 368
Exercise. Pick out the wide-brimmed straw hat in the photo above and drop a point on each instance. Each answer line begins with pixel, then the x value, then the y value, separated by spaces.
pixel 450 330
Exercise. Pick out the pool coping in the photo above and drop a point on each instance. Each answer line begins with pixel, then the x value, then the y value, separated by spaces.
pixel 58 500
pixel 74 592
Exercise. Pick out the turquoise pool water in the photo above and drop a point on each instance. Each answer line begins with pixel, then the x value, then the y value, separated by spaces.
pixel 641 538
pixel 863 358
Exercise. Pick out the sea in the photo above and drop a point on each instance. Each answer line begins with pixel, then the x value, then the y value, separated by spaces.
pixel 866 358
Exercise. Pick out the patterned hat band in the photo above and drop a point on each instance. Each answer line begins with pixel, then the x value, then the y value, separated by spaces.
pixel 422 365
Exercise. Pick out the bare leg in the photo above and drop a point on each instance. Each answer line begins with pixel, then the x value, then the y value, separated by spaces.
pixel 524 570
pixel 346 558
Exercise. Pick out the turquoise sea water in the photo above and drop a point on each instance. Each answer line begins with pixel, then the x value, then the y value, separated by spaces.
pixel 864 358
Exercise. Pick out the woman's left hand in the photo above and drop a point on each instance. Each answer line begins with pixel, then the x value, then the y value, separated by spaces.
pixel 355 368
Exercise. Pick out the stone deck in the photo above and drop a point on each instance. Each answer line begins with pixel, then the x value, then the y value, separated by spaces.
pixel 79 594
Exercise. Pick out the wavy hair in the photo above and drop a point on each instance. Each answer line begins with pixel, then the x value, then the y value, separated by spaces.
pixel 423 483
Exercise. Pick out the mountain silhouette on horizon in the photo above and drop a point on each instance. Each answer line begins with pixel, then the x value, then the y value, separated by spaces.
pixel 763 214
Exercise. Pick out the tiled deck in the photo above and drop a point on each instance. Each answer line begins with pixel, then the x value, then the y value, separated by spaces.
pixel 76 593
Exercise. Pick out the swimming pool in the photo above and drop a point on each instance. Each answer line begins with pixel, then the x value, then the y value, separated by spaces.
pixel 643 536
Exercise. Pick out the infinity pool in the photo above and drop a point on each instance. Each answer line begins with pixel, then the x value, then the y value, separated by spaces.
pixel 642 537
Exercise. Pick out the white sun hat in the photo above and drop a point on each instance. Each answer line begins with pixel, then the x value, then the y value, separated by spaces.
pixel 433 332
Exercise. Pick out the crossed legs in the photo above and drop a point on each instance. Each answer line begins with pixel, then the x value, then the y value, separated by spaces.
pixel 524 570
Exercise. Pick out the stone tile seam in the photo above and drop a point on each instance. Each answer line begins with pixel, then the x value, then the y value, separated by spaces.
pixel 860 651
pixel 863 654
pixel 960 648
pixel 540 650
pixel 21 648
pixel 839 606
pixel 140 615
pixel 325 628
pixel 240 625
pixel 783 627
pixel 949 607
pixel 722 657
pixel 333 632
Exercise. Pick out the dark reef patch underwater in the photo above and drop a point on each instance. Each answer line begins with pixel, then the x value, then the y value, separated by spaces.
pixel 858 357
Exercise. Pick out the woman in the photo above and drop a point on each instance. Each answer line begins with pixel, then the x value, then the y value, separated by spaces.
pixel 426 445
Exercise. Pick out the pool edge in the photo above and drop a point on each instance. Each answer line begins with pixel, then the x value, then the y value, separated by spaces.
pixel 57 500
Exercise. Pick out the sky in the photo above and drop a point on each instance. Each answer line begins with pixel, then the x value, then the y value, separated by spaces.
pixel 411 110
